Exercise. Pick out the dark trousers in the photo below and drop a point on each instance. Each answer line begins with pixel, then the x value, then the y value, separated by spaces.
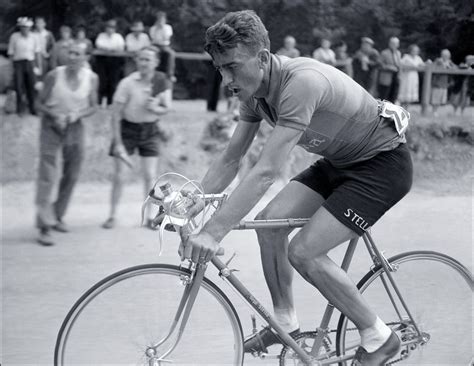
pixel 53 143
pixel 167 60
pixel 110 70
pixel 24 82
pixel 389 92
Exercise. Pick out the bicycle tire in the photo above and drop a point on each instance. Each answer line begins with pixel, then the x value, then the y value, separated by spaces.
pixel 208 293
pixel 422 260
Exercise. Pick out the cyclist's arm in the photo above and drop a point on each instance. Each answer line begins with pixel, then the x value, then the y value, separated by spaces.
pixel 256 183
pixel 224 169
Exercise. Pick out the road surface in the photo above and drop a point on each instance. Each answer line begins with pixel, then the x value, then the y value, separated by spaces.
pixel 40 284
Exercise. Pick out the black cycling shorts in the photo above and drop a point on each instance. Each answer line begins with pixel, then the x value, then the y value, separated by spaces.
pixel 144 137
pixel 360 194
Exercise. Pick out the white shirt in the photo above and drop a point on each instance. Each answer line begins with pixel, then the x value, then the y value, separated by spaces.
pixel 65 100
pixel 23 48
pixel 112 42
pixel 325 55
pixel 134 44
pixel 161 36
pixel 133 92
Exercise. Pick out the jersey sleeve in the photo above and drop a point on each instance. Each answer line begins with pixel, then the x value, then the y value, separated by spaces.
pixel 248 113
pixel 301 96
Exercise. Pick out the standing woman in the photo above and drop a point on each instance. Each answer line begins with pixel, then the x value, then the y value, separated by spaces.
pixel 411 63
pixel 141 98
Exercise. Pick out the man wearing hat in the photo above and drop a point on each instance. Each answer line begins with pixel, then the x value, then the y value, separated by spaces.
pixel 109 67
pixel 24 50
pixel 134 42
pixel 365 63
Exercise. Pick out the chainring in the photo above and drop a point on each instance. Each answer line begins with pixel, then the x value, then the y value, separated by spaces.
pixel 305 340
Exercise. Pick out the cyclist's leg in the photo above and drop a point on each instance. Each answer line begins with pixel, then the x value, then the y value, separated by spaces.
pixel 274 246
pixel 367 190
pixel 308 254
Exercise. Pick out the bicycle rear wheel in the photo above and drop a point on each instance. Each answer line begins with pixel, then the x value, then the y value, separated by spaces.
pixel 118 319
pixel 438 292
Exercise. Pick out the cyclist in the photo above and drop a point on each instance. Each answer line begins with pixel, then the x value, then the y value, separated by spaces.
pixel 366 168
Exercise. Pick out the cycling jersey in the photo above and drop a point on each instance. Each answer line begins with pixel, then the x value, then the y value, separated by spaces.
pixel 340 119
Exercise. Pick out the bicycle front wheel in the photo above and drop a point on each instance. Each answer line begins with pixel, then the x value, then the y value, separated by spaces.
pixel 438 292
pixel 121 317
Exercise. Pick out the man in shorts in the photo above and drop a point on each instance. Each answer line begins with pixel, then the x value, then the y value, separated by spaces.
pixel 139 101
pixel 366 169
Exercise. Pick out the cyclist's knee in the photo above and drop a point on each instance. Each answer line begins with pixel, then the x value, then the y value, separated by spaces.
pixel 301 251
pixel 296 254
pixel 266 214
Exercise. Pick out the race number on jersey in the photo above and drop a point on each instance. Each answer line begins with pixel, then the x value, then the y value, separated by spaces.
pixel 400 116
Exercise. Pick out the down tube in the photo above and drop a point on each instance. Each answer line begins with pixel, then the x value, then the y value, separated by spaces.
pixel 242 290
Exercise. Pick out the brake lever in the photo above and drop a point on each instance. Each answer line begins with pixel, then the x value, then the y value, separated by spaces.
pixel 151 198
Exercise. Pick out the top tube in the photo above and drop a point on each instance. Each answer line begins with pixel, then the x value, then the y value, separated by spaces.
pixel 256 224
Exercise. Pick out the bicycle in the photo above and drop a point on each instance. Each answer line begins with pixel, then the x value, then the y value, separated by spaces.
pixel 175 299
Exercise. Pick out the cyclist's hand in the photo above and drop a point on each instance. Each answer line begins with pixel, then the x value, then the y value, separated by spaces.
pixel 199 248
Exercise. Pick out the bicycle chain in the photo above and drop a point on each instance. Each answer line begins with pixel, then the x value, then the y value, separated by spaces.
pixel 327 344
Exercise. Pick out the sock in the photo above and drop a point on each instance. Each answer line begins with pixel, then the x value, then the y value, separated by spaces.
pixel 287 319
pixel 374 337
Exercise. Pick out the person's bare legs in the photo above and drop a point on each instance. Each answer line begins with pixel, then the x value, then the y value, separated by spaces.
pixel 116 194
pixel 295 201
pixel 149 166
pixel 308 254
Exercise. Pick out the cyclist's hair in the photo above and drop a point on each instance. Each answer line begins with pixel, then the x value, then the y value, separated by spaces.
pixel 153 49
pixel 244 27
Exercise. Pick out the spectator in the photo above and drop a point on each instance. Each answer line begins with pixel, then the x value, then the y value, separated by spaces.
pixel 134 42
pixel 24 50
pixel 109 67
pixel 388 81
pixel 61 48
pixel 161 34
pixel 81 38
pixel 46 42
pixel 440 82
pixel 324 53
pixel 462 88
pixel 343 61
pixel 69 94
pixel 410 64
pixel 289 48
pixel 365 63
pixel 141 98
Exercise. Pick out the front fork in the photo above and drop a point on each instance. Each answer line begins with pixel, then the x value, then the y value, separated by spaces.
pixel 192 284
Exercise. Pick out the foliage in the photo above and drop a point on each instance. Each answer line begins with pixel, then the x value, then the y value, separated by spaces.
pixel 433 24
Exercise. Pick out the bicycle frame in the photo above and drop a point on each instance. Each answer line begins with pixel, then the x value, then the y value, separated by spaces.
pixel 193 284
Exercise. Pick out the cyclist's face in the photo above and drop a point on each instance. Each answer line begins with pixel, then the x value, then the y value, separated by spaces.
pixel 241 71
